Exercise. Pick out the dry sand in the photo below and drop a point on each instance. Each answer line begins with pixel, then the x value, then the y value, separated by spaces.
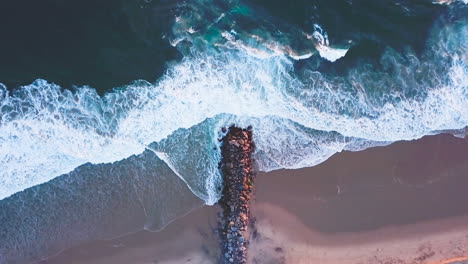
pixel 402 204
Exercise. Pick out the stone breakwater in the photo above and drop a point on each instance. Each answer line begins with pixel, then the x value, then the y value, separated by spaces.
pixel 238 175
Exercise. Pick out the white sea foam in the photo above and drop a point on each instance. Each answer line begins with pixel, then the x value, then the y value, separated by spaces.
pixel 298 121
pixel 322 44
pixel 448 2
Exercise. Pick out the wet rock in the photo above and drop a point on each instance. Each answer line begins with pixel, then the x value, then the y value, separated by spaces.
pixel 238 178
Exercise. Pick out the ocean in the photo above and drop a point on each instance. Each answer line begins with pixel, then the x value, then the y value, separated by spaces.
pixel 113 109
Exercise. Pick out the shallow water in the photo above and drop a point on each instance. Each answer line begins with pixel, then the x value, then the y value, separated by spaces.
pixel 403 195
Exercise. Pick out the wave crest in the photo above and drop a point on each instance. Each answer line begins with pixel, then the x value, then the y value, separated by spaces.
pixel 299 118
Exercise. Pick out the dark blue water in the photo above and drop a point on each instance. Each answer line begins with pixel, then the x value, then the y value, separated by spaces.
pixel 103 44
pixel 107 43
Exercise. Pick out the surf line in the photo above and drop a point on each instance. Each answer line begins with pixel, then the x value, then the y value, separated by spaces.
pixel 238 175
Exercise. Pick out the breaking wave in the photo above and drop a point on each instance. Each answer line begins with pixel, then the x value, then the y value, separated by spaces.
pixel 300 118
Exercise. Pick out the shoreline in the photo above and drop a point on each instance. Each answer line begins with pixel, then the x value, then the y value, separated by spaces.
pixel 300 214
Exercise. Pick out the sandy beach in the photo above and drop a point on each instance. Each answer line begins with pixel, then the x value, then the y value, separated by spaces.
pixel 402 203
pixel 431 242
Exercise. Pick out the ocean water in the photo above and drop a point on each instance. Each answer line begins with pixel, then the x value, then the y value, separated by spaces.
pixel 312 78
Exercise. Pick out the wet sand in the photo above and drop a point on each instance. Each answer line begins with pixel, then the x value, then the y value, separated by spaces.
pixel 403 203
pixel 284 238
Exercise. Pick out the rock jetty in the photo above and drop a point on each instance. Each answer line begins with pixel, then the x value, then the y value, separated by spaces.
pixel 238 175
